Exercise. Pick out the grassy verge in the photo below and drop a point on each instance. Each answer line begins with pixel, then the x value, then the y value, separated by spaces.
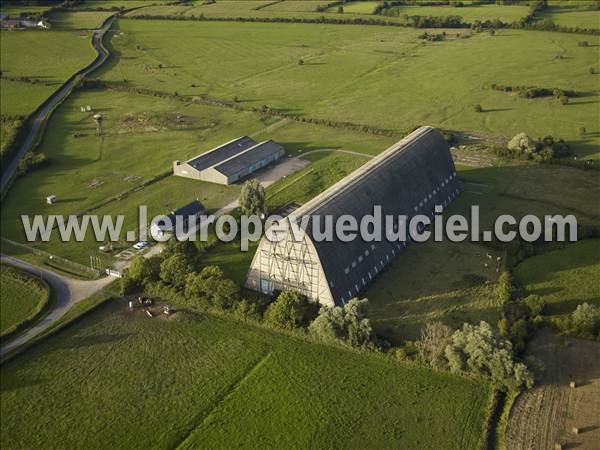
pixel 23 299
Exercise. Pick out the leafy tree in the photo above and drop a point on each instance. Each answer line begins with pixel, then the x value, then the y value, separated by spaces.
pixel 435 337
pixel 252 198
pixel 186 248
pixel 477 350
pixel 174 270
pixel 585 319
pixel 143 270
pixel 521 143
pixel 211 287
pixel 347 324
pixel 290 310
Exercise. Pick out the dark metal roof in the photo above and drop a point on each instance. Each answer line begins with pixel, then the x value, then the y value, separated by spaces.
pixel 190 209
pixel 221 153
pixel 248 157
pixel 417 172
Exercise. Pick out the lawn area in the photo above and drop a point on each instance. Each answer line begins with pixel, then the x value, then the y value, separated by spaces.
pixel 22 298
pixel 120 379
pixel 382 76
pixel 470 13
pixel 79 20
pixel 34 55
pixel 564 278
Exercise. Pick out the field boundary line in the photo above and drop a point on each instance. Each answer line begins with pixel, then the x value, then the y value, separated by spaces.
pixel 231 389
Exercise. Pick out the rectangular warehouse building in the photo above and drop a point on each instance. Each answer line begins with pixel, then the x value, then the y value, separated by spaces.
pixel 231 161
pixel 410 178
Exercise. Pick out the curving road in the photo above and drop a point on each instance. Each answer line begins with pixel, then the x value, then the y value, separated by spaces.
pixel 67 292
pixel 42 114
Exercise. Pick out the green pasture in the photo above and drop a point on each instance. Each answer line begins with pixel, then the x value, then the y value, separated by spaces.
pixel 380 76
pixel 357 7
pixel 22 297
pixel 572 14
pixel 120 379
pixel 564 278
pixel 34 55
pixel 79 20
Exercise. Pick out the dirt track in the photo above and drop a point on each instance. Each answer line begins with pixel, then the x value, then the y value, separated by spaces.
pixel 547 414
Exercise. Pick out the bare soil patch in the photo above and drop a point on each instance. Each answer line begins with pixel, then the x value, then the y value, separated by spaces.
pixel 553 412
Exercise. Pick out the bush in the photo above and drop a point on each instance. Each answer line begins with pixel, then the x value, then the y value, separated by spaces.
pixel 536 305
pixel 31 161
pixel 584 320
pixel 521 143
pixel 477 350
pixel 478 108
pixel 210 287
pixel 346 324
pixel 435 337
pixel 291 310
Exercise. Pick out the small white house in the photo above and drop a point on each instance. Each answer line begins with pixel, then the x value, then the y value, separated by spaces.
pixel 51 199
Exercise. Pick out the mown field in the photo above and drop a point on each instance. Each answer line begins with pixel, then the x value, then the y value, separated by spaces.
pixel 564 278
pixel 22 297
pixel 33 55
pixel 120 379
pixel 380 76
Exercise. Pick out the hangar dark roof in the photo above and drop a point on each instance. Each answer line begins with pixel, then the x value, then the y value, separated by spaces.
pixel 221 153
pixel 409 178
pixel 248 157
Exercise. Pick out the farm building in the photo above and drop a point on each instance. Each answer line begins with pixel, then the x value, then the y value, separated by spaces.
pixel 231 161
pixel 409 178
pixel 161 226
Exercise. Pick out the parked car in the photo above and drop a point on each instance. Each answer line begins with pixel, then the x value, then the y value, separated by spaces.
pixel 141 245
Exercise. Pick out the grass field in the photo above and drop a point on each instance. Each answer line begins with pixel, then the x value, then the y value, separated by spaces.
pixel 78 20
pixel 572 15
pixel 564 278
pixel 469 14
pixel 120 379
pixel 398 82
pixel 33 55
pixel 357 7
pixel 22 297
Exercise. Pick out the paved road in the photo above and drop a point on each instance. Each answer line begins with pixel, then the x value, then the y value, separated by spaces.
pixel 68 292
pixel 41 116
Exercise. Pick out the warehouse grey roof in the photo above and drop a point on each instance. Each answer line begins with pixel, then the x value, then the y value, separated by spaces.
pixel 221 153
pixel 248 157
pixel 409 178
